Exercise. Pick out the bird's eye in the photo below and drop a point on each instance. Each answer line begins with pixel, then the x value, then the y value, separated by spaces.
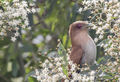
pixel 79 26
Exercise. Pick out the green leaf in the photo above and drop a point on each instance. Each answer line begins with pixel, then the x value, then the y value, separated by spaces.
pixel 27 77
pixel 62 52
pixel 64 39
pixel 107 77
pixel 61 49
pixel 103 41
pixel 99 60
pixel 53 27
pixel 65 71
pixel 31 79
pixel 104 59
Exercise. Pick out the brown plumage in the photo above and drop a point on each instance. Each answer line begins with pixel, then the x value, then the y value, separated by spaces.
pixel 83 47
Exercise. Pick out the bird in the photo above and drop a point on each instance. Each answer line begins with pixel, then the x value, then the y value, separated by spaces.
pixel 83 47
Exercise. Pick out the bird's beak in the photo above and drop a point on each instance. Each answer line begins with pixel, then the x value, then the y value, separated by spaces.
pixel 89 25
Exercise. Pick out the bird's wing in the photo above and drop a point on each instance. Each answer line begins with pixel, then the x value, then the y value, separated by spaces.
pixel 76 55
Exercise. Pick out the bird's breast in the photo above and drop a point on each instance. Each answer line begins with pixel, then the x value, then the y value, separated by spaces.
pixel 89 48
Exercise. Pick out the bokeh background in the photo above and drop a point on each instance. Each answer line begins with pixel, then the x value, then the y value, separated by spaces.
pixel 19 58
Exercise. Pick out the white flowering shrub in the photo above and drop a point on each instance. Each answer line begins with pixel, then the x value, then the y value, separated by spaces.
pixel 61 68
pixel 105 20
pixel 14 16
pixel 53 71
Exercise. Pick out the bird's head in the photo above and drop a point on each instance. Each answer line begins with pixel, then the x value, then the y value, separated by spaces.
pixel 77 29
pixel 78 26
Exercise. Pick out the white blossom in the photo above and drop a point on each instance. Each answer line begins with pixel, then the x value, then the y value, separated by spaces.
pixel 13 39
pixel 15 16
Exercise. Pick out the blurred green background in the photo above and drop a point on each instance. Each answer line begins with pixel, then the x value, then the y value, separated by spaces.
pixel 51 23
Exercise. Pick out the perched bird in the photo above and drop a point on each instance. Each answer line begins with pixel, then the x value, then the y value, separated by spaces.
pixel 83 46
